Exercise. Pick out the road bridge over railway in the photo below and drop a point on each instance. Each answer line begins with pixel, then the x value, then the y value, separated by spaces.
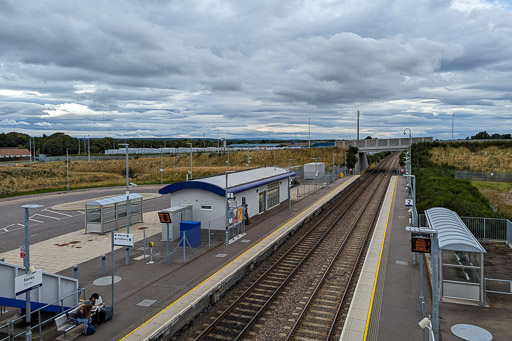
pixel 378 145
pixel 381 145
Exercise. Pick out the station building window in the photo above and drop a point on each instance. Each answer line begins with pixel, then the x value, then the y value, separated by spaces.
pixel 206 208
pixel 272 195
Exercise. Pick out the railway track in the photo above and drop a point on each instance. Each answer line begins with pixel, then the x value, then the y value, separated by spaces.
pixel 310 282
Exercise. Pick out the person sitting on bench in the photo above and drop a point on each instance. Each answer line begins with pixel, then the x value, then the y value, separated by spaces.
pixel 83 315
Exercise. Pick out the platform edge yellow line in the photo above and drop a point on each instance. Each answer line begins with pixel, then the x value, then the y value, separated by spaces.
pixel 378 264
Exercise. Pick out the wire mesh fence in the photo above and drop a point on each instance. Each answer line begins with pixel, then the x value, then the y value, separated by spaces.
pixel 484 228
pixel 484 176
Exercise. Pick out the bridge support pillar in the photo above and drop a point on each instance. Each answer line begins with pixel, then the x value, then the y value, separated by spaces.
pixel 362 162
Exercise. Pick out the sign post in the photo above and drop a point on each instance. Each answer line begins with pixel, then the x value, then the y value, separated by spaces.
pixel 421 243
pixel 165 218
pixel 119 239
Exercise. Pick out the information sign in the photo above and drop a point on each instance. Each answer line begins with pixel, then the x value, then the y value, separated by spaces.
pixel 22 251
pixel 421 244
pixel 123 239
pixel 27 282
pixel 409 202
pixel 165 217
pixel 240 214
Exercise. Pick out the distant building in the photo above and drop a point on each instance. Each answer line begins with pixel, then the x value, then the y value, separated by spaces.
pixel 14 154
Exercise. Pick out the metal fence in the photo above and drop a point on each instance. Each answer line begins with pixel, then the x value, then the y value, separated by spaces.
pixel 484 176
pixel 484 228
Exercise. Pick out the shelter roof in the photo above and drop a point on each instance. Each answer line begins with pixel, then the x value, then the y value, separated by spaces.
pixel 452 233
pixel 112 200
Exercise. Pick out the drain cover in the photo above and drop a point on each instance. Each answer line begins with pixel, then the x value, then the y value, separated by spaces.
pixel 221 255
pixel 107 280
pixel 471 332
pixel 146 303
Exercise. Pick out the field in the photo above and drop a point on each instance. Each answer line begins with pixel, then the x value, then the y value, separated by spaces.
pixel 51 176
pixel 499 194
pixel 491 159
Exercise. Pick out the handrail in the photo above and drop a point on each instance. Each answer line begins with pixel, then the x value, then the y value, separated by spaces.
pixel 10 325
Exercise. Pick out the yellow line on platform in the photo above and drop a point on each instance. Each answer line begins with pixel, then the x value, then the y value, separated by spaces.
pixel 261 241
pixel 378 264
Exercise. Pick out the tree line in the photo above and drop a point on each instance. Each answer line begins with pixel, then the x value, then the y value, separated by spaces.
pixel 57 143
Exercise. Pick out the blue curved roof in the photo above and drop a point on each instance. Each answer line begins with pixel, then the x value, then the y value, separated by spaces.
pixel 193 185
pixel 238 181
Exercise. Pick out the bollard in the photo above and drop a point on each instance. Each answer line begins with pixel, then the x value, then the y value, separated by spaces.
pixel 103 266
pixel 75 271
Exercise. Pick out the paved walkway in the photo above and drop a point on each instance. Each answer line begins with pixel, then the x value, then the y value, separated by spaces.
pixel 57 254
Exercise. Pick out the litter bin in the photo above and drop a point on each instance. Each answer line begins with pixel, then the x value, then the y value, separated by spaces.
pixel 193 232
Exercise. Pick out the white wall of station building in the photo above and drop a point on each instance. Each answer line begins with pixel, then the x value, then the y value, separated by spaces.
pixel 210 208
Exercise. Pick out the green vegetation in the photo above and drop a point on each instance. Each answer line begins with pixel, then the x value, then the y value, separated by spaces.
pixel 438 187
pixel 377 157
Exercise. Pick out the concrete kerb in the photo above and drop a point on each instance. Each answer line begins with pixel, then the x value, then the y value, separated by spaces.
pixel 187 313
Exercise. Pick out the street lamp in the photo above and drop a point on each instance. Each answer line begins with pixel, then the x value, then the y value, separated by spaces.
pixel 309 128
pixel 289 184
pixel 89 147
pixel 26 263
pixel 453 115
pixel 161 165
pixel 127 202
pixel 248 157
pixel 190 144
pixel 67 168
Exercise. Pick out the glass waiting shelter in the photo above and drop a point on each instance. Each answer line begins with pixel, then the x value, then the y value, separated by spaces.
pixel 461 257
pixel 104 215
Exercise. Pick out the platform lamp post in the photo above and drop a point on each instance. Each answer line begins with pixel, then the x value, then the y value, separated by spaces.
pixel 26 263
pixel 191 176
pixel 127 201
pixel 410 156
pixel 289 184
pixel 316 171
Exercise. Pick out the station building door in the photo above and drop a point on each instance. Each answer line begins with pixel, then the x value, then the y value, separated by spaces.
pixel 263 200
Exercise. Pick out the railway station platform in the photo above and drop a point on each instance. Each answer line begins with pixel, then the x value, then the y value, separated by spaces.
pixel 386 306
pixel 155 299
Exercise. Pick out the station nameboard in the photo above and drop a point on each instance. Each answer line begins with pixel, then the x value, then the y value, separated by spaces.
pixel 27 282
pixel 165 217
pixel 421 243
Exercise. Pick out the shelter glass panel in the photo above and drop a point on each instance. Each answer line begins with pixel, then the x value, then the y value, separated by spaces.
pixel 93 214
pixel 121 210
pixel 135 207
pixel 109 213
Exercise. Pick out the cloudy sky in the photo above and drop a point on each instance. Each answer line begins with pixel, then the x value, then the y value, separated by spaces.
pixel 261 69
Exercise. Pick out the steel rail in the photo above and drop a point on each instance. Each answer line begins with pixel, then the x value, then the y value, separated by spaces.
pixel 364 184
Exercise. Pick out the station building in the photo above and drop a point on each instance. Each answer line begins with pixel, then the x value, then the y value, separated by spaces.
pixel 260 188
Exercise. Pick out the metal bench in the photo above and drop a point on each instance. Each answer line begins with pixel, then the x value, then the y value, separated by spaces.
pixel 64 325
